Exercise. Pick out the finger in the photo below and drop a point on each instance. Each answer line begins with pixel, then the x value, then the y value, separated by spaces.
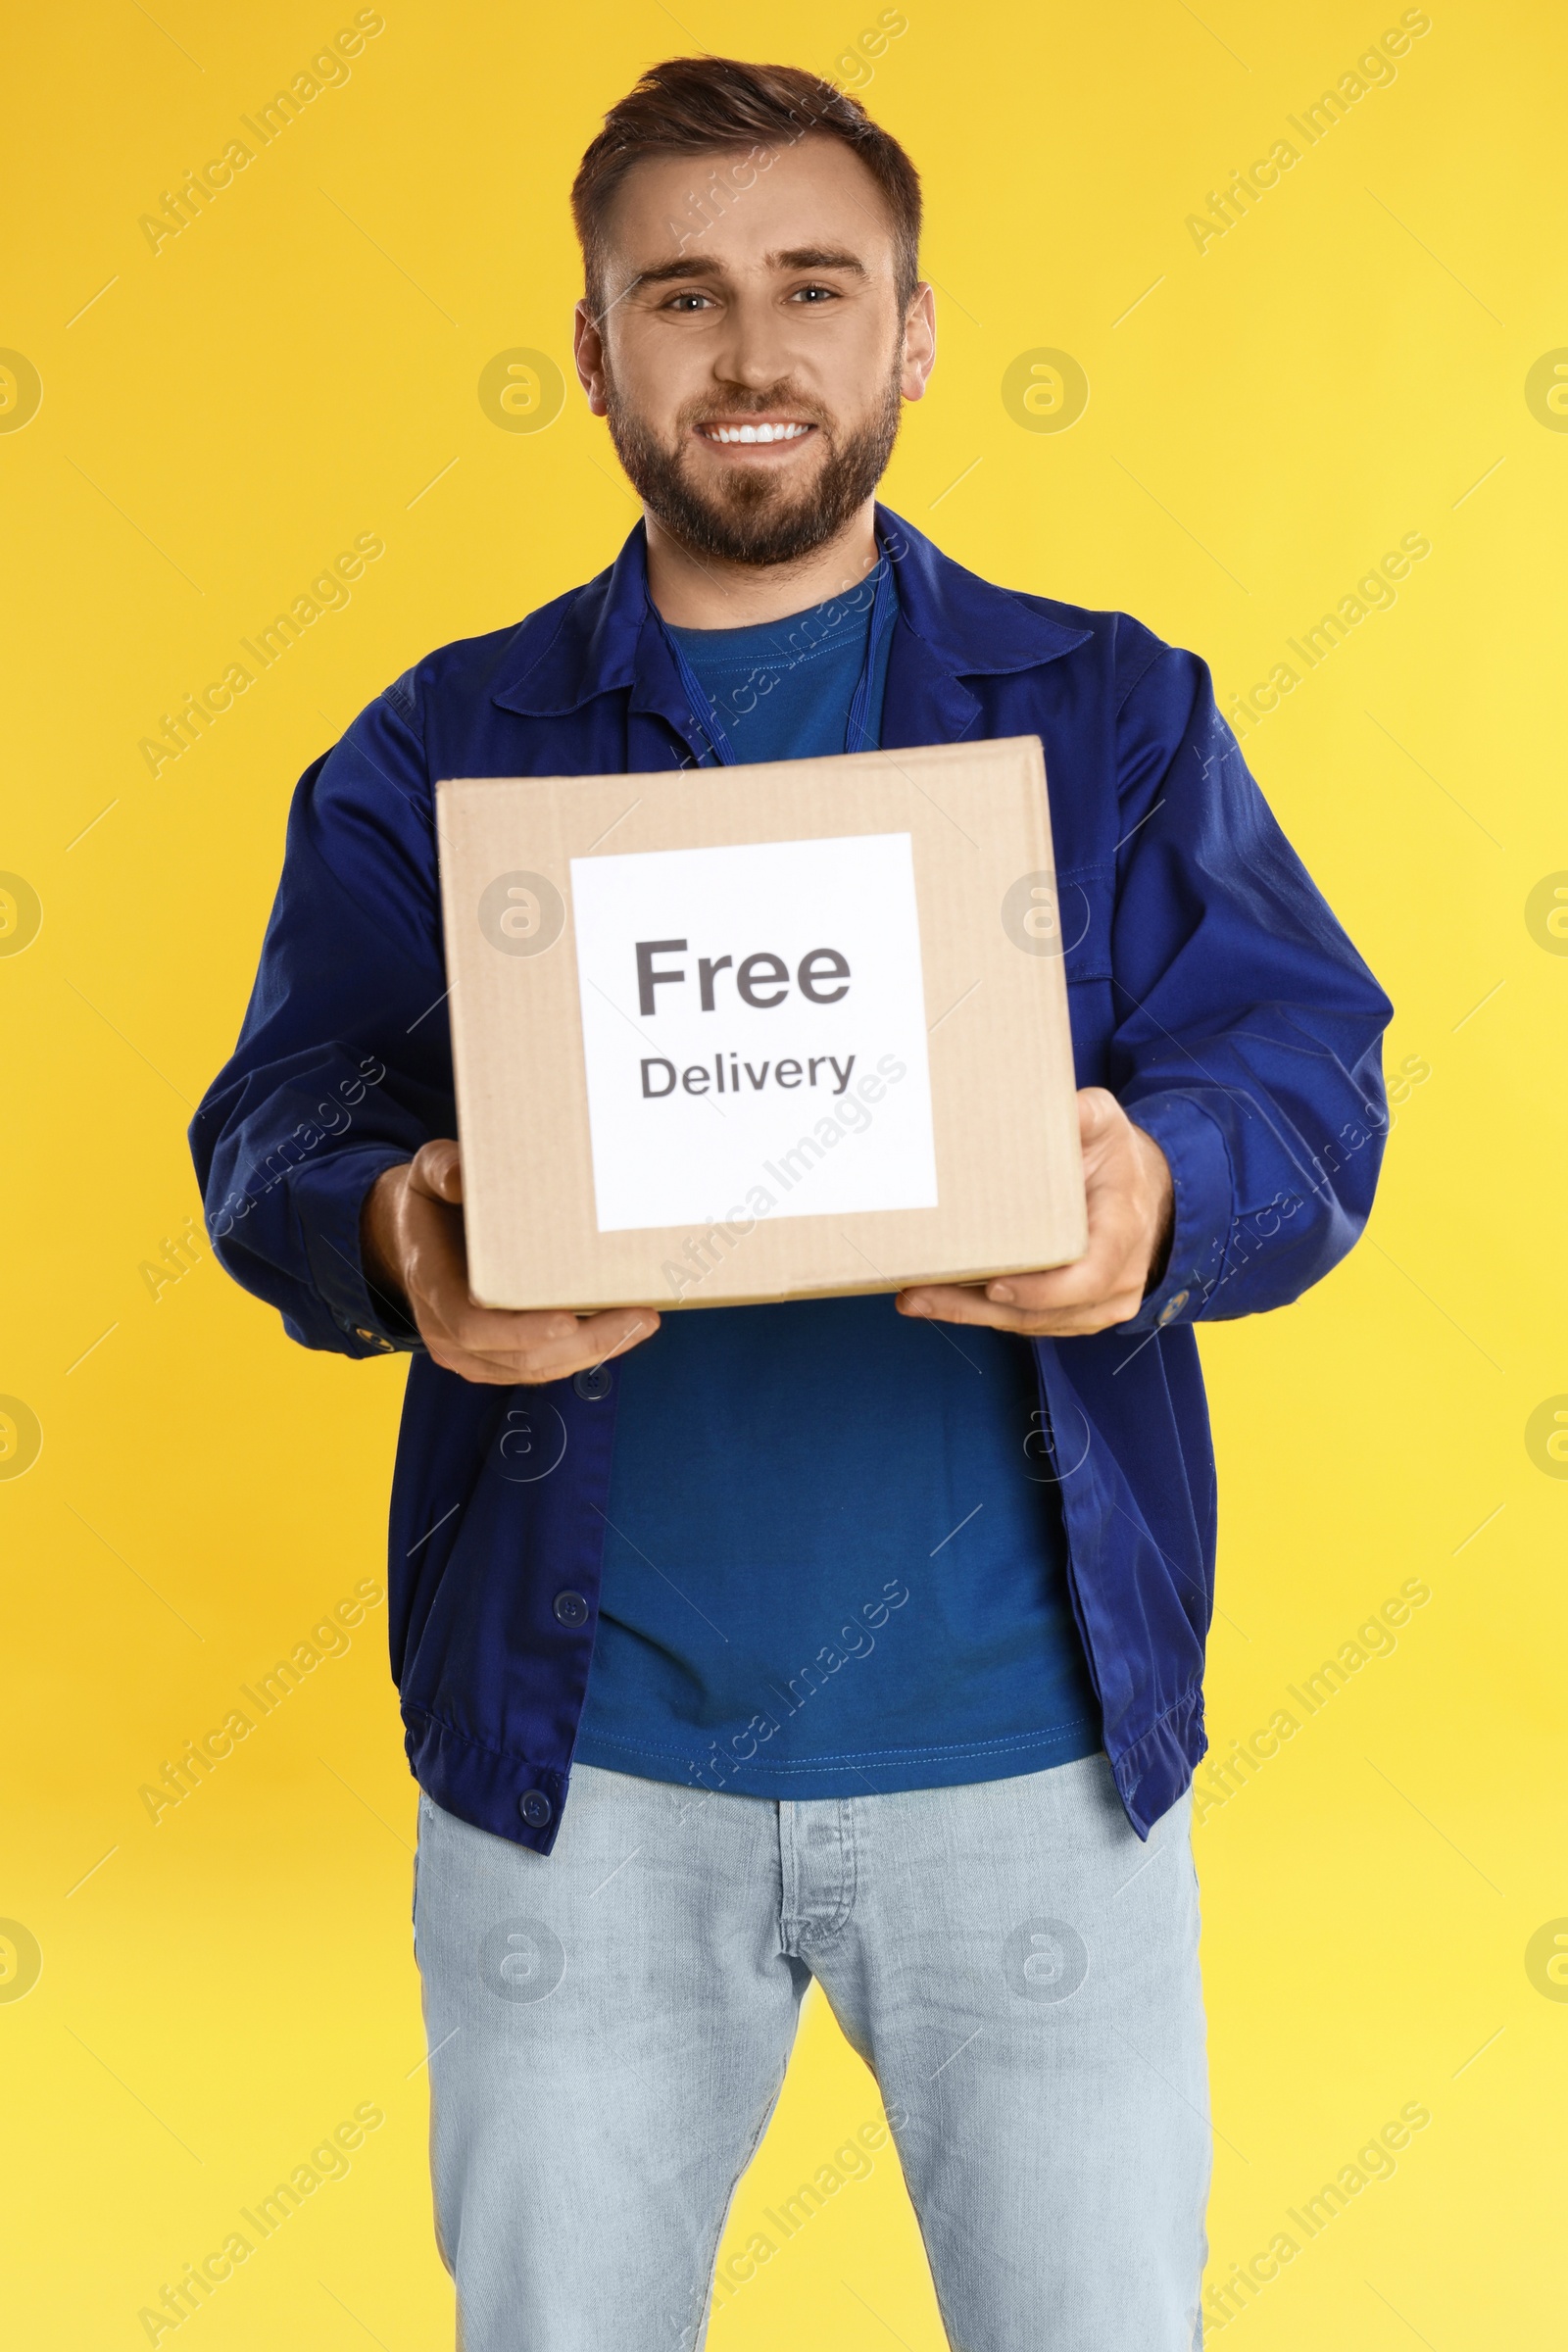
pixel 542 1346
pixel 622 1327
pixel 1098 1112
pixel 499 1331
pixel 1099 1274
pixel 479 1370
pixel 437 1171
pixel 1070 1323
pixel 1103 1269
pixel 955 1303
pixel 535 1369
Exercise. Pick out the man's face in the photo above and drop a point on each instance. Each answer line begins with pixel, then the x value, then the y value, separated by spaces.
pixel 780 318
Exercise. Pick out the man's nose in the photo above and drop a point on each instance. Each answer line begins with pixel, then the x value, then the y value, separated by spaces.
pixel 754 350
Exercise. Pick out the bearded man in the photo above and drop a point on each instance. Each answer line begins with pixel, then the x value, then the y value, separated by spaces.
pixel 858 1640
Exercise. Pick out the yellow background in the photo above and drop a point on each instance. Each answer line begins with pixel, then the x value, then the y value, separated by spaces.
pixel 218 420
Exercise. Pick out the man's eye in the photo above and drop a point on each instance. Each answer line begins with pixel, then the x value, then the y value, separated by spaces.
pixel 687 302
pixel 815 294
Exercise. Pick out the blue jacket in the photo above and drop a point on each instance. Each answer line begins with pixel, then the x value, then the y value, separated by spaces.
pixel 1211 989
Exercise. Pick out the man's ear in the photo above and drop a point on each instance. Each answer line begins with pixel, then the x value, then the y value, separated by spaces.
pixel 588 350
pixel 920 343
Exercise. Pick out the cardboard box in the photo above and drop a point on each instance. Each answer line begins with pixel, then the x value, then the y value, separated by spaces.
pixel 770 1032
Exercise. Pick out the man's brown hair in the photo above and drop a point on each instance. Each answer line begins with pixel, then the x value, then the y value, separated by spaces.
pixel 704 104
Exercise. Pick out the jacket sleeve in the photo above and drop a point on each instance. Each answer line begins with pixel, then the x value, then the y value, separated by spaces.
pixel 343 1066
pixel 1247 1028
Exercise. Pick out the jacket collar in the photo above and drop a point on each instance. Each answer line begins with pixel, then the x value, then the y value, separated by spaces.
pixel 601 637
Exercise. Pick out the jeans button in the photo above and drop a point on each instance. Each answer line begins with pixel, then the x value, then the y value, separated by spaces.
pixel 572 1608
pixel 535 1808
pixel 596 1382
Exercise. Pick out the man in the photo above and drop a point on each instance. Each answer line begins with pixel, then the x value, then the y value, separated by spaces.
pixel 856 1639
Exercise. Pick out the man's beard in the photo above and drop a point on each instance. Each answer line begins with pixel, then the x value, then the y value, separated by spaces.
pixel 753 517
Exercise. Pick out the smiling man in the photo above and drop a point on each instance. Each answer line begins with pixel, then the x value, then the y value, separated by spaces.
pixel 855 1639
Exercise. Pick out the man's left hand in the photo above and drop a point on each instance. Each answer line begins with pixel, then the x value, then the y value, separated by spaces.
pixel 1131 1204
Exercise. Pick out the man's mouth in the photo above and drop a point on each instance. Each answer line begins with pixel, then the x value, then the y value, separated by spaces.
pixel 764 432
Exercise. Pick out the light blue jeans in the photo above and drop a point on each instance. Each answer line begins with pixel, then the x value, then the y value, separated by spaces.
pixel 608 2028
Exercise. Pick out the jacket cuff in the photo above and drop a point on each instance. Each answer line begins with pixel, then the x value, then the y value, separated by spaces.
pixel 1205 1201
pixel 327 1200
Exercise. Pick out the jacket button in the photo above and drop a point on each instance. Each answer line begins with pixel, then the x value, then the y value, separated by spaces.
pixel 572 1608
pixel 535 1808
pixel 1173 1307
pixel 596 1382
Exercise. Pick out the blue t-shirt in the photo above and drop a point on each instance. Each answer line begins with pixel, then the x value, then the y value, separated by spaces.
pixel 835 1560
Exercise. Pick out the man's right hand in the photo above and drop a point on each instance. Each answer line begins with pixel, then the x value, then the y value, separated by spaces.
pixel 412 1242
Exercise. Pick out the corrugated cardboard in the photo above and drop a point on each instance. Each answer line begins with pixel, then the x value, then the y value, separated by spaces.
pixel 971 822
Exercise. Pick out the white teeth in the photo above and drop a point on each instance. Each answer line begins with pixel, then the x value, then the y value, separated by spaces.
pixel 727 434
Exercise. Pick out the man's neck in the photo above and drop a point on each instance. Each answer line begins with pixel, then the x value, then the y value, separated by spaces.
pixel 695 591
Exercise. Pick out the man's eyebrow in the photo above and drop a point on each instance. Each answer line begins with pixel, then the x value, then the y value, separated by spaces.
pixel 818 257
pixel 796 257
pixel 662 271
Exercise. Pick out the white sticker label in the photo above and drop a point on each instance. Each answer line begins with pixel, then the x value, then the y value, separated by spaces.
pixel 754 1024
